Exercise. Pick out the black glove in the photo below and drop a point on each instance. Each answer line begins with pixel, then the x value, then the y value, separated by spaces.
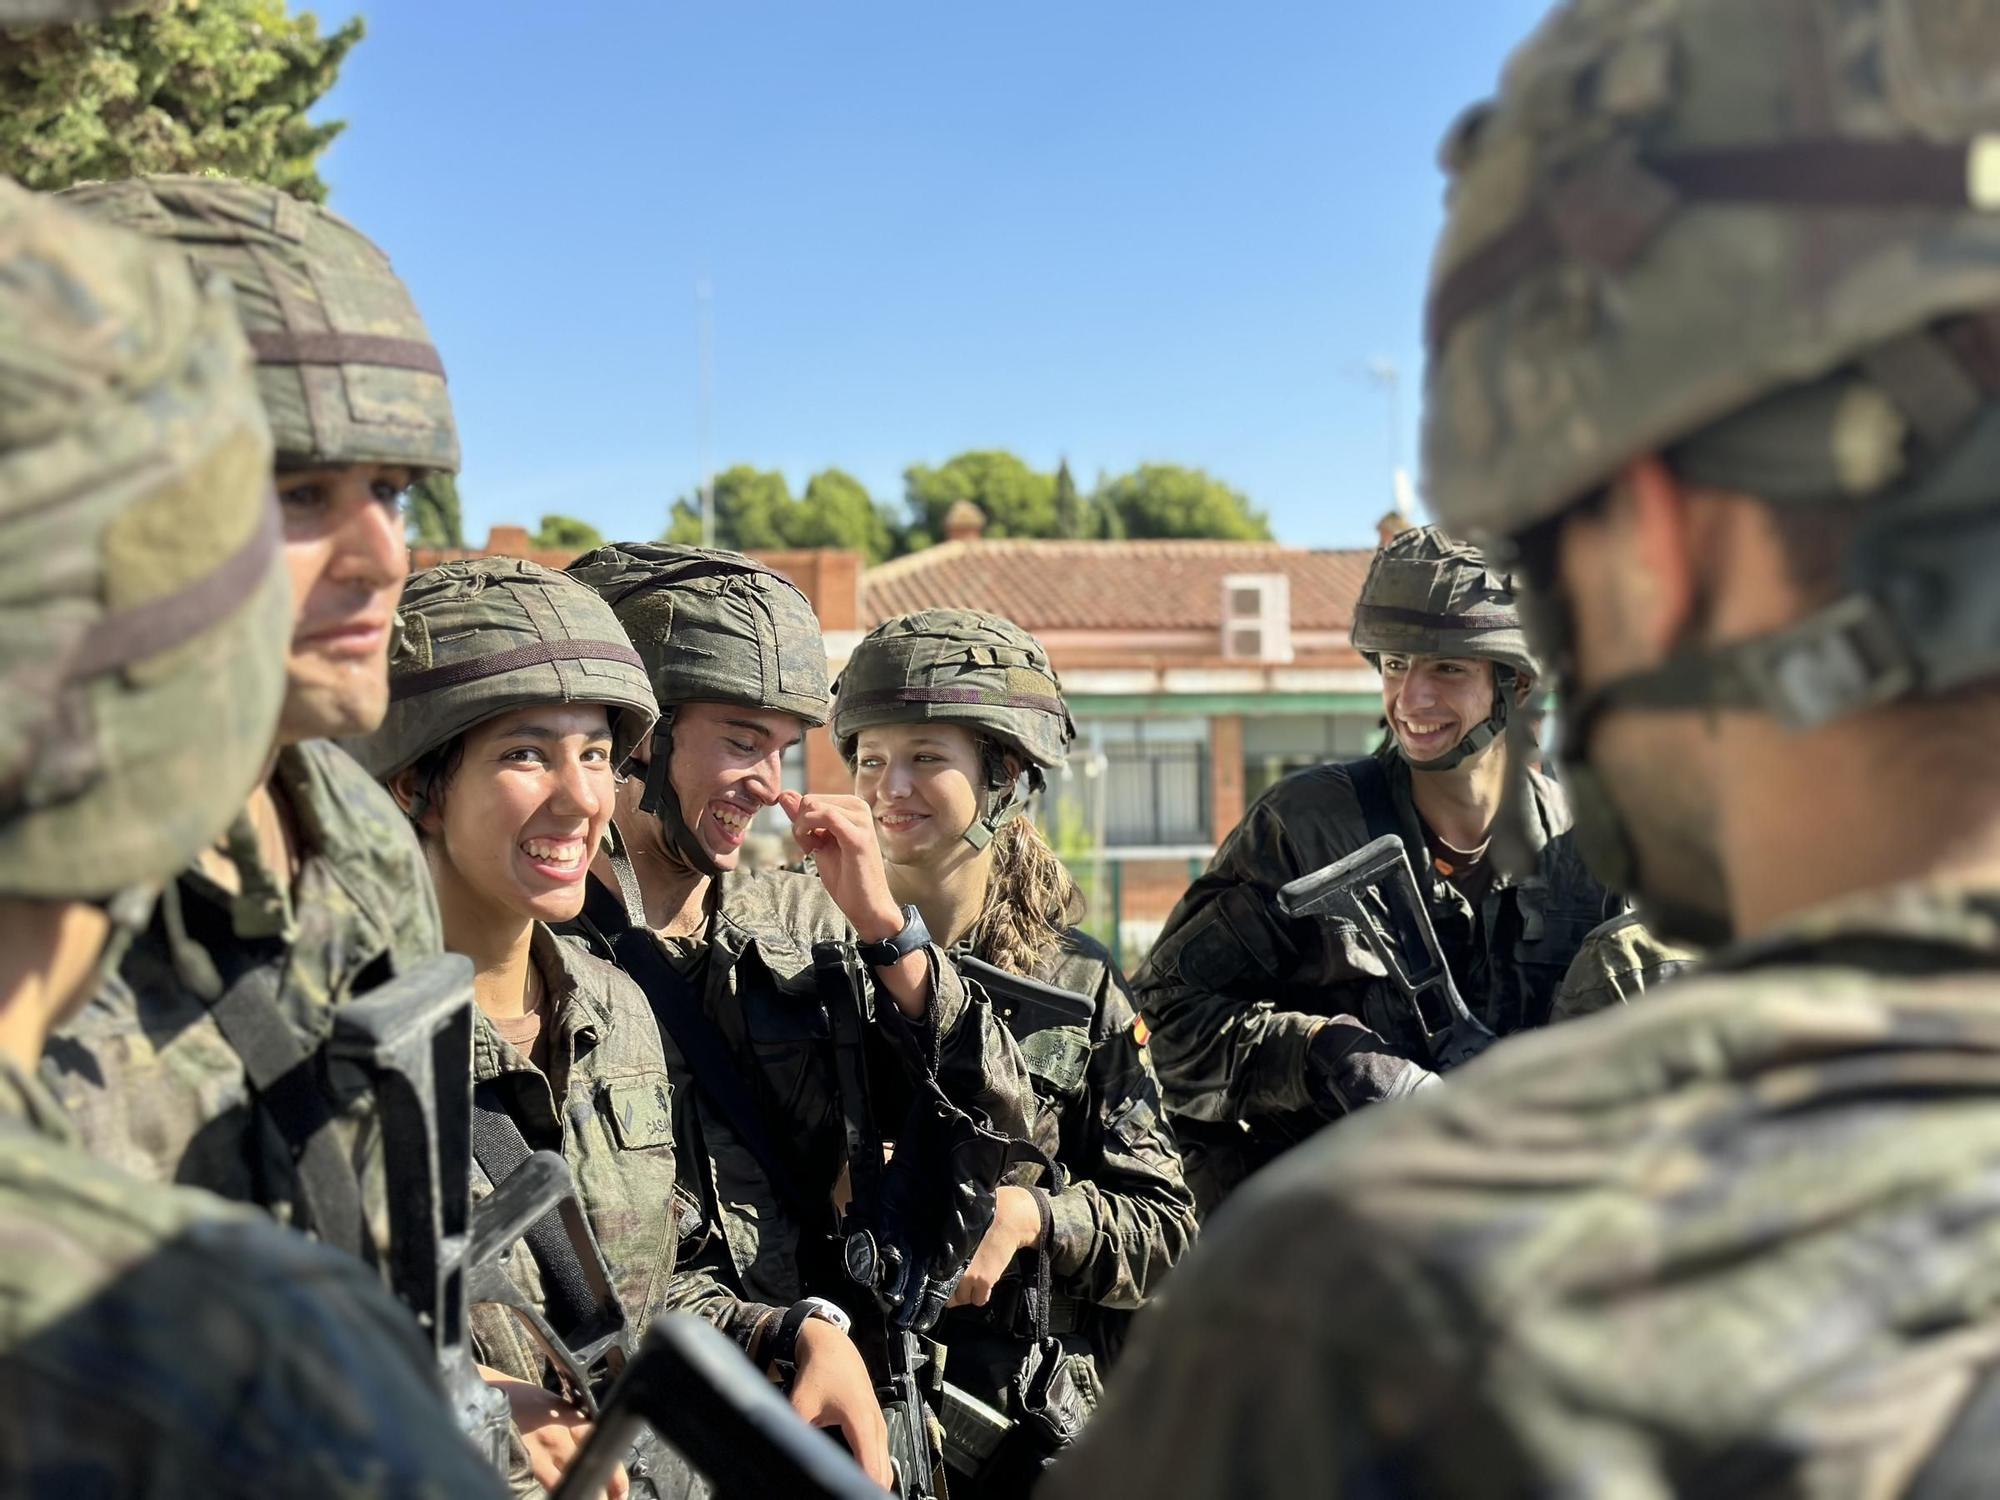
pixel 937 1204
pixel 1347 1066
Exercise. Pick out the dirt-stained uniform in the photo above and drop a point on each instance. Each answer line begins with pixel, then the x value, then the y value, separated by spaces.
pixel 1741 1239
pixel 1236 994
pixel 1617 964
pixel 154 1341
pixel 1123 1214
pixel 715 626
pixel 346 374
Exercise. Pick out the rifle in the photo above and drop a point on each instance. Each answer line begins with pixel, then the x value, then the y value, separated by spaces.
pixel 1398 932
pixel 697 1391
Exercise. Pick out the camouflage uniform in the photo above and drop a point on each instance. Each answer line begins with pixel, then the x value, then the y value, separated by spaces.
pixel 155 1342
pixel 1741 1240
pixel 1124 1215
pixel 1618 962
pixel 346 375
pixel 1236 994
pixel 714 626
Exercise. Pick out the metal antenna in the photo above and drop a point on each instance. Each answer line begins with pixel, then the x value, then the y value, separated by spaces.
pixel 704 296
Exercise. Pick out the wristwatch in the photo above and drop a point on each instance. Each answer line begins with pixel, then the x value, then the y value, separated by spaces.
pixel 890 950
pixel 784 1350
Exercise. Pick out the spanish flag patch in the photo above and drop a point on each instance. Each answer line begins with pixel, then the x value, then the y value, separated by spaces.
pixel 1139 1031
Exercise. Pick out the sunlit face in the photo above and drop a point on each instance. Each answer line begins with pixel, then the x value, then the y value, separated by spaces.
pixel 922 782
pixel 345 552
pixel 523 814
pixel 1433 702
pixel 727 765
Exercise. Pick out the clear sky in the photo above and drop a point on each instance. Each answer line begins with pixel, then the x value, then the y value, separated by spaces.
pixel 1174 231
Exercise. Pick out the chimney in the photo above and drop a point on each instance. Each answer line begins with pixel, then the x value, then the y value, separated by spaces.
pixel 509 541
pixel 964 522
pixel 1392 525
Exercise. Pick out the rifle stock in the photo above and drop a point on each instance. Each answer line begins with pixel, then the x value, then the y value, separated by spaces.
pixel 1400 934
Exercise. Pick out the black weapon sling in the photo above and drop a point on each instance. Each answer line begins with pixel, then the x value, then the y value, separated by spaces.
pixel 500 1148
pixel 239 982
pixel 1371 790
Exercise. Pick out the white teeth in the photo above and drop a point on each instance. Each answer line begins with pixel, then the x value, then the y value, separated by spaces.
pixel 565 852
pixel 729 817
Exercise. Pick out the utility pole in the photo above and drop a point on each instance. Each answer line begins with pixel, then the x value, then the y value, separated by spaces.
pixel 705 311
pixel 1383 374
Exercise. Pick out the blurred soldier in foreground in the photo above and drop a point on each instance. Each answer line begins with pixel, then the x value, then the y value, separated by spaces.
pixel 1714 354
pixel 318 893
pixel 153 1340
pixel 1265 1027
pixel 1617 964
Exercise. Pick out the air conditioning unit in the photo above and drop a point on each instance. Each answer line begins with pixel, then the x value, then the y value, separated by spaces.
pixel 1257 617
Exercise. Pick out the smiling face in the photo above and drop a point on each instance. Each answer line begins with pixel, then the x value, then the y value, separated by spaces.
pixel 521 816
pixel 727 765
pixel 1433 702
pixel 923 783
pixel 345 551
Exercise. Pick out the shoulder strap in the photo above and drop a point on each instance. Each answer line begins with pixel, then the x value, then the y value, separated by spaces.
pixel 500 1149
pixel 1371 790
pixel 716 1073
pixel 279 1066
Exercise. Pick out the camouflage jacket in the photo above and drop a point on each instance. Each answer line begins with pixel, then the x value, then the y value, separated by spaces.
pixel 1618 962
pixel 159 1343
pixel 144 1070
pixel 1739 1241
pixel 614 1126
pixel 757 986
pixel 1234 992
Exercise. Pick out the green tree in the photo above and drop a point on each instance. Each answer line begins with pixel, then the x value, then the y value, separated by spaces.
pixel 752 509
pixel 1017 500
pixel 1166 500
pixel 838 511
pixel 433 512
pixel 567 534
pixel 184 86
pixel 1073 517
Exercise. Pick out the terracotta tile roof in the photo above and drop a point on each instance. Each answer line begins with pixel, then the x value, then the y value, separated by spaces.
pixel 1149 585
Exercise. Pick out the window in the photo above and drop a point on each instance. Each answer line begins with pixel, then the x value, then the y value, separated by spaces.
pixel 1154 783
pixel 1276 745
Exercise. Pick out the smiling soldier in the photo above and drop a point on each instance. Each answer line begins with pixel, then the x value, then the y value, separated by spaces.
pixel 1265 1028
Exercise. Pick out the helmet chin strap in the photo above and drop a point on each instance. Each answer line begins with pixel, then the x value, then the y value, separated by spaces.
pixel 661 801
pixel 1481 735
pixel 993 818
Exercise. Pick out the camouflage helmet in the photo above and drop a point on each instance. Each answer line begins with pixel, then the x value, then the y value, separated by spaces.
pixel 143 600
pixel 1428 595
pixel 347 371
pixel 959 666
pixel 477 639
pixel 712 627
pixel 1763 242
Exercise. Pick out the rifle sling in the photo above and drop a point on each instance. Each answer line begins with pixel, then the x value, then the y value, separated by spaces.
pixel 280 1067
pixel 500 1148
pixel 717 1075
pixel 1371 790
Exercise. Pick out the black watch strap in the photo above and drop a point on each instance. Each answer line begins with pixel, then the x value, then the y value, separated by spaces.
pixel 891 950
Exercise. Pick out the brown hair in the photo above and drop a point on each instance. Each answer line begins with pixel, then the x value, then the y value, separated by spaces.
pixel 1031 901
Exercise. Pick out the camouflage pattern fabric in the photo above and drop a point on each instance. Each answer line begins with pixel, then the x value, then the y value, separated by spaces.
pixel 140 584
pixel 1235 994
pixel 1125 1217
pixel 1618 962
pixel 476 639
pixel 1738 1241
pixel 144 1070
pixel 753 970
pixel 614 1126
pixel 345 367
pixel 1429 595
pixel 160 1344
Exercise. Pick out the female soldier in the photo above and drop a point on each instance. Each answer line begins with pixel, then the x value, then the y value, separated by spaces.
pixel 515 696
pixel 948 719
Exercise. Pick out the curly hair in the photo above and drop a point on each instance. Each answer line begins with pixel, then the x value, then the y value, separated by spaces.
pixel 1031 901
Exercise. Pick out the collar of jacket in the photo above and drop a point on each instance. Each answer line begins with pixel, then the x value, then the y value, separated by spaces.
pixel 578 1010
pixel 24 1099
pixel 1945 915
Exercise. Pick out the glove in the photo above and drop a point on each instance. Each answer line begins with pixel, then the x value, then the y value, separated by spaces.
pixel 937 1203
pixel 1347 1066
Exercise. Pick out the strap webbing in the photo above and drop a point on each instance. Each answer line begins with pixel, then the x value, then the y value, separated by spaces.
pixel 1371 790
pixel 500 1149
pixel 535 654
pixel 275 346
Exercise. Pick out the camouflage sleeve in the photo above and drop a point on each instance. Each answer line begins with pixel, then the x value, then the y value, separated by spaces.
pixel 1127 1215
pixel 1229 1039
pixel 978 1065
pixel 696 1290
pixel 249 1363
pixel 1617 963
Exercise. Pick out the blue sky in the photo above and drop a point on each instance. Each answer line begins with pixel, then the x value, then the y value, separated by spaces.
pixel 1120 232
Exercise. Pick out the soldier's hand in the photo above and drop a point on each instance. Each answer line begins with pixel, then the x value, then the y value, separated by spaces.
pixel 1016 1226
pixel 839 833
pixel 1349 1066
pixel 832 1388
pixel 551 1430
